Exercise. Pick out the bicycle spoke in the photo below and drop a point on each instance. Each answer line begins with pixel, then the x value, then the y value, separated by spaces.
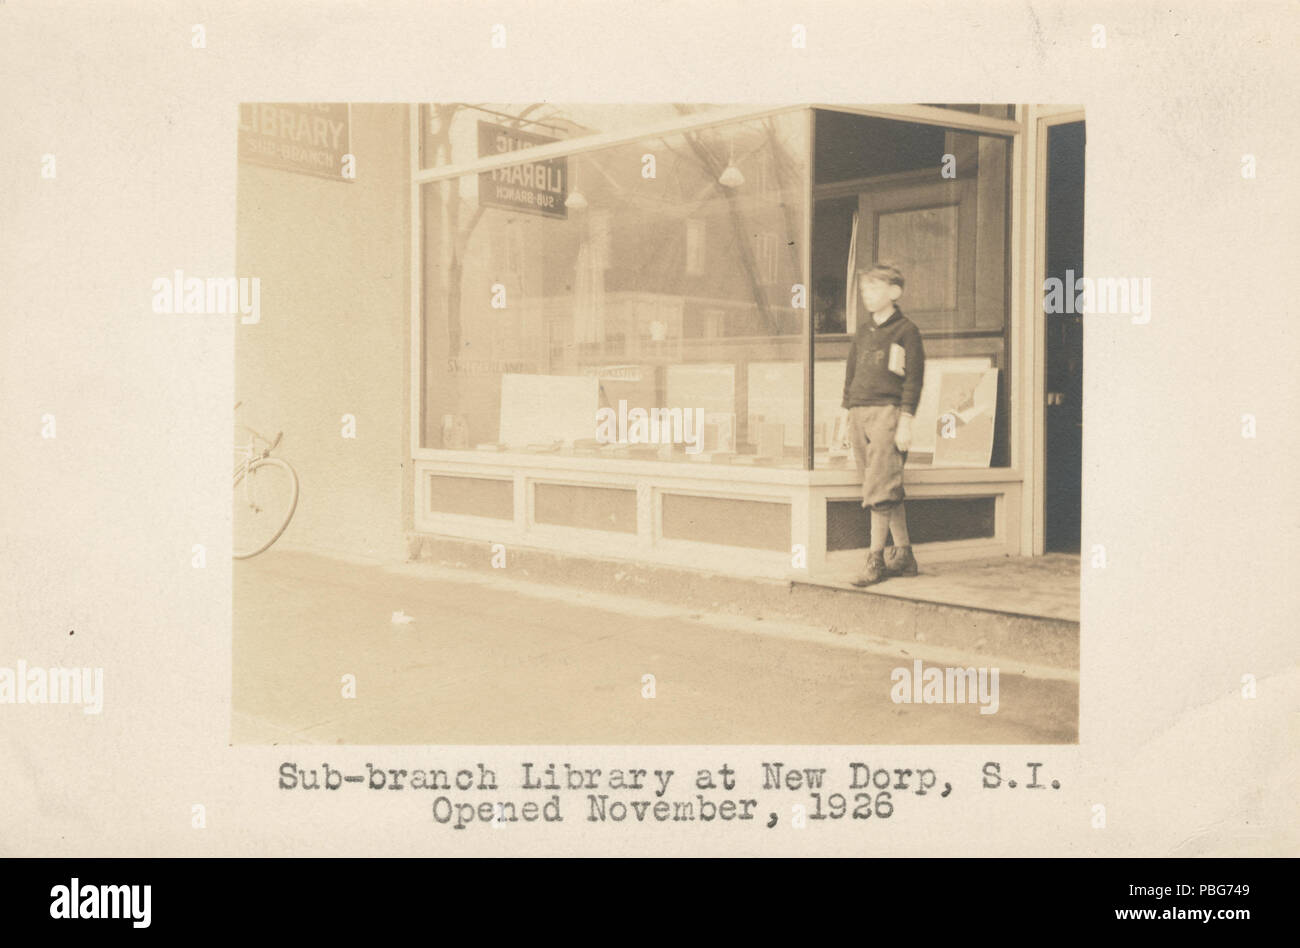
pixel 264 499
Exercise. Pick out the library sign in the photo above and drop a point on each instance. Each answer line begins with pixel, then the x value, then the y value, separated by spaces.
pixel 537 187
pixel 308 138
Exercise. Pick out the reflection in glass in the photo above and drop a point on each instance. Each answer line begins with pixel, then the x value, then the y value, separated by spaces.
pixel 935 203
pixel 638 276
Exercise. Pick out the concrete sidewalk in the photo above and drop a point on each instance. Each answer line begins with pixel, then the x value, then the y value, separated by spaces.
pixel 1045 587
pixel 1025 609
pixel 498 657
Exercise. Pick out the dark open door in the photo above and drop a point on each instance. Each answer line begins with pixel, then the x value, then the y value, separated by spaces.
pixel 1064 340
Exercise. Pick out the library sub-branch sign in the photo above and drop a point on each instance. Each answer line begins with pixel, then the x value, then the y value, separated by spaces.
pixel 309 138
pixel 538 187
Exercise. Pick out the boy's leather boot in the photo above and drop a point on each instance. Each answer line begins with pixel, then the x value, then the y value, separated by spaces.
pixel 899 561
pixel 874 570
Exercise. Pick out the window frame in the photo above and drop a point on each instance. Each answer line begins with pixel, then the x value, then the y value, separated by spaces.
pixel 1014 130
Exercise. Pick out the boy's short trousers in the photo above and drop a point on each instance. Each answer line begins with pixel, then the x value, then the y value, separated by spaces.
pixel 880 464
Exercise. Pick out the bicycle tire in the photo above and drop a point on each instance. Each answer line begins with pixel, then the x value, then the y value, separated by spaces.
pixel 283 523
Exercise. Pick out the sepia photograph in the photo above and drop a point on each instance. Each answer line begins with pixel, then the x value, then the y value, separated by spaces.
pixel 759 405
pixel 567 429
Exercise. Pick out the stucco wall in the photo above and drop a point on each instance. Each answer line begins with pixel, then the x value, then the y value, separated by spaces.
pixel 333 340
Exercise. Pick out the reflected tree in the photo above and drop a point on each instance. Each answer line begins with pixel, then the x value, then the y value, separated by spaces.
pixel 439 153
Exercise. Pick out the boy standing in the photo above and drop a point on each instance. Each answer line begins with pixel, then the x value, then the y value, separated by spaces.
pixel 882 384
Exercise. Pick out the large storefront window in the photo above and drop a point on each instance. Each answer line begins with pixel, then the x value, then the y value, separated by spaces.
pixel 642 300
pixel 936 203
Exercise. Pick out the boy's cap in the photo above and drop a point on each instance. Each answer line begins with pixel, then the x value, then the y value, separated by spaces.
pixel 885 272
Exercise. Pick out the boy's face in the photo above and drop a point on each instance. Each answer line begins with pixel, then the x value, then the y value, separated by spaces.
pixel 876 293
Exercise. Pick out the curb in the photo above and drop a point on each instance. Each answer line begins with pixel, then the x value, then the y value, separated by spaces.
pixel 1035 640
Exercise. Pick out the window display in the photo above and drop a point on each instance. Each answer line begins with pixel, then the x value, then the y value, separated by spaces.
pixel 935 203
pixel 666 273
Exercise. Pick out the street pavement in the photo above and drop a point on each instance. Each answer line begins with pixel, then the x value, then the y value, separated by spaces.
pixel 495 659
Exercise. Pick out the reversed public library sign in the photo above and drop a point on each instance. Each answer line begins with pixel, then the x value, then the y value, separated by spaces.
pixel 309 138
pixel 538 187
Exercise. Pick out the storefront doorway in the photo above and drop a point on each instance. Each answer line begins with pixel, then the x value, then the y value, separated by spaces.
pixel 1063 439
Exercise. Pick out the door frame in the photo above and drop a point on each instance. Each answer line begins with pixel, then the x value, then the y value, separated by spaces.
pixel 1034 516
pixel 920 191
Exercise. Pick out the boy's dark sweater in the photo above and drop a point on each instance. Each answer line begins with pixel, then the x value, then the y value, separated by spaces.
pixel 867 379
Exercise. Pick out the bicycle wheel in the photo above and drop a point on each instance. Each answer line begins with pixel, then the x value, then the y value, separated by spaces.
pixel 265 496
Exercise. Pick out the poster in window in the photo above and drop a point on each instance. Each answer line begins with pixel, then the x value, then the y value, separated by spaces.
pixel 967 413
pixel 708 386
pixel 925 424
pixel 775 395
pixel 547 409
pixel 828 393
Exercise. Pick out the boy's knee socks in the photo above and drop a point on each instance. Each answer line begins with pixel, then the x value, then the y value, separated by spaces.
pixel 898 526
pixel 879 528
